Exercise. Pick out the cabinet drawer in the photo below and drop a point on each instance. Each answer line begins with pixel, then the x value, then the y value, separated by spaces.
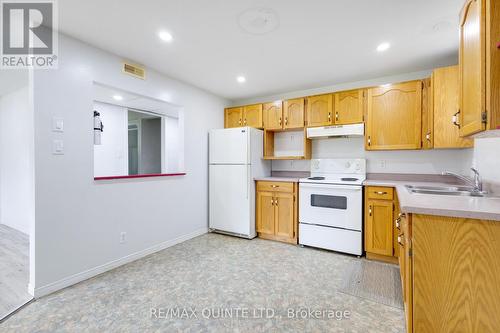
pixel 274 186
pixel 381 193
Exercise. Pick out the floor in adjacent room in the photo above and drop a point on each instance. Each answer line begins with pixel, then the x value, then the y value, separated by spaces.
pixel 246 279
pixel 14 270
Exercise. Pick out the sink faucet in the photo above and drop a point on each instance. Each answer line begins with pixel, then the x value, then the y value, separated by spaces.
pixel 476 182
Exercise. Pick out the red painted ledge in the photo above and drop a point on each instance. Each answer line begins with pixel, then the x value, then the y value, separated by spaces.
pixel 141 176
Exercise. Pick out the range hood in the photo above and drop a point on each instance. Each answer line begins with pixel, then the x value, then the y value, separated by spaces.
pixel 336 131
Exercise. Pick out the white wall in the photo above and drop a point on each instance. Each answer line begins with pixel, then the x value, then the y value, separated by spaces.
pixel 111 157
pixel 401 161
pixel 16 161
pixel 487 161
pixel 79 220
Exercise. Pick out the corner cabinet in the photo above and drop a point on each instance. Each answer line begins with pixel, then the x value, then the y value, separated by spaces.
pixel 394 116
pixel 479 66
pixel 276 211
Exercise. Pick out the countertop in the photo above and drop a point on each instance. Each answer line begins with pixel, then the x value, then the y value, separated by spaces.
pixel 278 179
pixel 485 208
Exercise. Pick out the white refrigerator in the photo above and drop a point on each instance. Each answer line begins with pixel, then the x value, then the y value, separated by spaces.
pixel 235 159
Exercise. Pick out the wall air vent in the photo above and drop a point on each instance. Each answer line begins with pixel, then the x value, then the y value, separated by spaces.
pixel 134 70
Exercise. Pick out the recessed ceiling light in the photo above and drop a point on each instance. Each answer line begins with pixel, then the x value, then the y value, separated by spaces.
pixel 241 79
pixel 117 97
pixel 383 47
pixel 165 36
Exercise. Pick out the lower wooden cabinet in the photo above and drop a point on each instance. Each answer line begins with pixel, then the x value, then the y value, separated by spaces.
pixel 379 230
pixel 276 211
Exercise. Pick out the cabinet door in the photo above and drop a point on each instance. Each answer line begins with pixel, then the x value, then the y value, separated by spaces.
pixel 379 230
pixel 273 115
pixel 265 212
pixel 395 116
pixel 233 117
pixel 293 111
pixel 445 86
pixel 319 110
pixel 284 221
pixel 252 115
pixel 472 64
pixel 349 107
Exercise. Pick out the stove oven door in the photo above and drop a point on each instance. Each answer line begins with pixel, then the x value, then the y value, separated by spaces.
pixel 338 206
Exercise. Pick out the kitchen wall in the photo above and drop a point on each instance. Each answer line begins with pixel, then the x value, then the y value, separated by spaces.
pixel 401 161
pixel 16 160
pixel 487 161
pixel 79 221
pixel 111 157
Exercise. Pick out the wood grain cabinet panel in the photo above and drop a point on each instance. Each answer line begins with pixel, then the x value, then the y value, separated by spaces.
pixel 265 212
pixel 394 116
pixel 252 116
pixel 319 110
pixel 472 67
pixel 456 274
pixel 284 215
pixel 445 98
pixel 349 106
pixel 233 117
pixel 273 115
pixel 293 113
pixel 379 227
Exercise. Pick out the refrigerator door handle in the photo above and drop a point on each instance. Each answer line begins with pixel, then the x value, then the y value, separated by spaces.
pixel 248 179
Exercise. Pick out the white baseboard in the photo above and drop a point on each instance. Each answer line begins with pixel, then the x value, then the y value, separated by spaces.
pixel 79 277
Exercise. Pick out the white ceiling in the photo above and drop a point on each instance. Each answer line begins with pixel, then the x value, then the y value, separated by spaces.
pixel 317 42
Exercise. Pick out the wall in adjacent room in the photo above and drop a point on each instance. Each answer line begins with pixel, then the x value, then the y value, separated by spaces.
pixel 79 220
pixel 111 156
pixel 16 161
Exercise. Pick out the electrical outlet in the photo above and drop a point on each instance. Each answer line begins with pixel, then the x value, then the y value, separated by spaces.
pixel 383 164
pixel 123 237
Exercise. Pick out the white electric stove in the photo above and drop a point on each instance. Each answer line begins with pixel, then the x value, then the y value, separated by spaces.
pixel 331 205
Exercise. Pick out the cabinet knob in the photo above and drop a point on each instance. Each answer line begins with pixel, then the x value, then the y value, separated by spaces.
pixel 380 192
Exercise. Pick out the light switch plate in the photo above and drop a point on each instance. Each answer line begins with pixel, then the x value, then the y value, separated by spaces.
pixel 58 147
pixel 57 124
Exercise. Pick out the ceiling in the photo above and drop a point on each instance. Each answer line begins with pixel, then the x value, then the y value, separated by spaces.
pixel 314 43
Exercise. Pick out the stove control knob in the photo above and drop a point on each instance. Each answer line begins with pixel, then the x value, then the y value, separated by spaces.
pixel 348 165
pixel 358 167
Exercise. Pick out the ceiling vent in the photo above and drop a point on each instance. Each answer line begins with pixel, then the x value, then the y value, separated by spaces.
pixel 134 70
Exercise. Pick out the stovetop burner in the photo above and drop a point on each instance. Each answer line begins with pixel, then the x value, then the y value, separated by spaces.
pixel 316 178
pixel 349 179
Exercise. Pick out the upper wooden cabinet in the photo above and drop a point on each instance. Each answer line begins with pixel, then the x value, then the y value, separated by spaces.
pixel 445 95
pixel 252 115
pixel 394 116
pixel 479 66
pixel 319 110
pixel 233 117
pixel 293 113
pixel 273 115
pixel 349 107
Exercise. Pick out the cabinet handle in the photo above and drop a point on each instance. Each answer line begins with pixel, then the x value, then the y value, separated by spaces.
pixel 245 122
pixel 370 210
pixel 274 186
pixel 276 202
pixel 369 140
pixel 398 223
pixel 428 136
pixel 239 122
pixel 286 121
pixel 400 240
pixel 454 119
pixel 272 202
pixel 280 121
pixel 329 116
pixel 336 116
pixel 380 192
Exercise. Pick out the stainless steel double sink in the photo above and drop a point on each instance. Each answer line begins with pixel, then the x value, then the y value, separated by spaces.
pixel 464 191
